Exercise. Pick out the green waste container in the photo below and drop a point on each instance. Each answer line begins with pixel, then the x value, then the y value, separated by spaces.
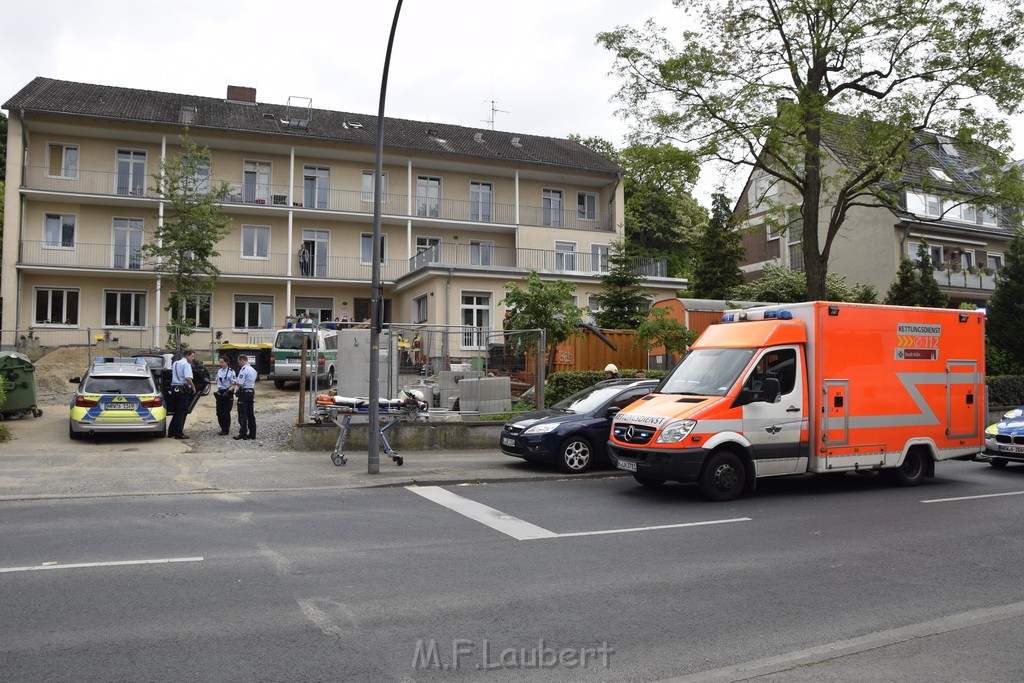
pixel 19 380
pixel 477 363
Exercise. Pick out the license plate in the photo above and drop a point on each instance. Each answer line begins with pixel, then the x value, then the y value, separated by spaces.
pixel 508 441
pixel 1011 449
pixel 120 406
pixel 626 465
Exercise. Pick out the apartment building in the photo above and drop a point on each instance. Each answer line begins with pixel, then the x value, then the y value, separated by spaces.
pixel 464 211
pixel 966 242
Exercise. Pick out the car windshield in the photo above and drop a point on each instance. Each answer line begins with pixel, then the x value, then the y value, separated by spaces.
pixel 118 385
pixel 589 399
pixel 292 340
pixel 707 372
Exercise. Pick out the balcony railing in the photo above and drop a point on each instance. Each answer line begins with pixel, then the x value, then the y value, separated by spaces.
pixel 965 279
pixel 448 254
pixel 115 184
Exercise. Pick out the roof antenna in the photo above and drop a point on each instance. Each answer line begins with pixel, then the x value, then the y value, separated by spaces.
pixel 494 110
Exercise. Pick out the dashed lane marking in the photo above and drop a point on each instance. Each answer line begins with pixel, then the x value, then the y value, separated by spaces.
pixel 84 565
pixel 985 495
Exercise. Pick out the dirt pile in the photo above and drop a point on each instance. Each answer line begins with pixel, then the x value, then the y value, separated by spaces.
pixel 54 369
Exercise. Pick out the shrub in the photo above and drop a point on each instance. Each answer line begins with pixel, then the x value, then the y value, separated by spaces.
pixel 562 384
pixel 1006 390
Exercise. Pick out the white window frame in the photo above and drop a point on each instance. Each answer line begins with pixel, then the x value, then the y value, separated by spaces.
pixel 261 304
pixel 59 242
pixel 993 260
pixel 552 203
pixel 138 300
pixel 764 190
pixel 250 242
pixel 989 217
pixel 366 241
pixel 584 210
pixel 967 259
pixel 366 186
pixel 125 250
pixel 940 174
pixel 193 308
pixel 600 258
pixel 935 252
pixel 263 174
pixel 475 334
pixel 135 156
pixel 565 259
pixel 49 292
pixel 201 178
pixel 420 309
pixel 924 204
pixel 481 252
pixel 481 201
pixel 428 206
pixel 321 177
pixel 68 162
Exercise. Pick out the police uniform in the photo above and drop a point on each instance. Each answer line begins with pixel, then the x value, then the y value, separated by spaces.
pixel 246 383
pixel 225 399
pixel 180 396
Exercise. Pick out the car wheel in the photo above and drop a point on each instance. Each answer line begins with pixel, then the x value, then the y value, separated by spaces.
pixel 73 435
pixel 723 477
pixel 649 482
pixel 162 434
pixel 911 472
pixel 575 455
pixel 279 383
pixel 999 463
pixel 330 378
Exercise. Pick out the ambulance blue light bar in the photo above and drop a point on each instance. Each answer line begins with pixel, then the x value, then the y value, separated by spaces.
pixel 734 316
pixel 781 314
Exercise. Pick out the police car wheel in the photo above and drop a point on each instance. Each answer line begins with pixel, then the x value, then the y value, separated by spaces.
pixel 999 463
pixel 73 435
pixel 723 477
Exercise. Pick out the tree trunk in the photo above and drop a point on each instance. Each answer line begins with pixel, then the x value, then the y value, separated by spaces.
pixel 814 267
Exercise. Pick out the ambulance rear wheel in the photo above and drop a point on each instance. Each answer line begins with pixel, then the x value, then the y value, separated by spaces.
pixel 911 472
pixel 723 477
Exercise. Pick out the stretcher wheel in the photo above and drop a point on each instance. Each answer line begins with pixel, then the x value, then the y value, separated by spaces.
pixel 338 459
pixel 398 460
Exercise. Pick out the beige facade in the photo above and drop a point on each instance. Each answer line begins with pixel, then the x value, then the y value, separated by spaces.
pixel 463 212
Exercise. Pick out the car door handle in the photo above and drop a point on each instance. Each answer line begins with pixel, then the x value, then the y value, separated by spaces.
pixel 792 409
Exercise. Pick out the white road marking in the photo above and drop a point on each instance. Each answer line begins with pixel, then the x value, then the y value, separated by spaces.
pixel 80 565
pixel 986 495
pixel 525 531
pixel 842 648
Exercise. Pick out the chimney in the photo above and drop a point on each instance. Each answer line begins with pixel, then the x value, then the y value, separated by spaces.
pixel 238 93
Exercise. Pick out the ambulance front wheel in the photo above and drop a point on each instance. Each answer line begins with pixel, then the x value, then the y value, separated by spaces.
pixel 723 477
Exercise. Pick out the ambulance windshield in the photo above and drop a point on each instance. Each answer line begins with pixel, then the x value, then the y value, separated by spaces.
pixel 707 372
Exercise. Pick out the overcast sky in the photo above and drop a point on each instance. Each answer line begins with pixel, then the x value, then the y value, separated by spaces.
pixel 536 59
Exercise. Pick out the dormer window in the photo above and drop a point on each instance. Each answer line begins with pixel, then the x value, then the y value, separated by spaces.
pixel 947 147
pixel 940 174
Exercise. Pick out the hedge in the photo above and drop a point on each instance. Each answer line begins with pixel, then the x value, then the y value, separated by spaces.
pixel 1006 390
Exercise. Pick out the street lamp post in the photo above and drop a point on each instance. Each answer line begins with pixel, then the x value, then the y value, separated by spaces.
pixel 376 289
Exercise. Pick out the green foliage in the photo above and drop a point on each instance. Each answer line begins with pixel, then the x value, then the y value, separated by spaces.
pixel 183 248
pixel 904 290
pixel 915 283
pixel 781 88
pixel 544 306
pixel 560 385
pixel 718 253
pixel 1006 390
pixel 1005 310
pixel 660 330
pixel 1001 362
pixel 623 301
pixel 783 285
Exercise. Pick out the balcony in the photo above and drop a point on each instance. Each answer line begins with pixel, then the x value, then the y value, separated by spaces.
pixel 113 184
pixel 446 255
pixel 964 279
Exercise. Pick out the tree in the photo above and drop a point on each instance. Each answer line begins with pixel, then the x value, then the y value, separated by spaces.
pixel 544 306
pixel 783 285
pixel 183 247
pixel 905 289
pixel 785 86
pixel 623 301
pixel 660 330
pixel 915 283
pixel 718 252
pixel 1005 310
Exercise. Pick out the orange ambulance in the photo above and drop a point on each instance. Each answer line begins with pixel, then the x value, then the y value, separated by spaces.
pixel 811 387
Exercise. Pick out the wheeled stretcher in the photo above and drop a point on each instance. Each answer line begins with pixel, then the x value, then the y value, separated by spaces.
pixel 341 409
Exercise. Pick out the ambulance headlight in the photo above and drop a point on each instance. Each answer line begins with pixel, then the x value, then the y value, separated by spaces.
pixel 676 431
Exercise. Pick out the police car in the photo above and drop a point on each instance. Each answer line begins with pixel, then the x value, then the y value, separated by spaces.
pixel 117 395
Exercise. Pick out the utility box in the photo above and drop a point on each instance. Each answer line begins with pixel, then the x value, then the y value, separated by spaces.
pixel 353 378
pixel 19 380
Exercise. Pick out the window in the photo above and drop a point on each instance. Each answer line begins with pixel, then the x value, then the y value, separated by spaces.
pixel 480 252
pixel 594 304
pixel 967 258
pixel 428 243
pixel 124 309
pixel 428 196
pixel 794 240
pixel 780 364
pixel 320 308
pixel 255 241
pixel 940 174
pixel 480 201
pixel 966 212
pixel 196 309
pixel 551 208
pixel 128 233
pixel 476 319
pixel 924 204
pixel 56 306
pixel 994 261
pixel 59 231
pixel 366 248
pixel 586 206
pixel 764 191
pixel 253 311
pixel 256 182
pixel 419 309
pixel 934 252
pixel 367 186
pixel 362 309
pixel 600 255
pixel 989 217
pixel 131 172
pixel 565 256
pixel 316 187
pixel 201 178
pixel 62 161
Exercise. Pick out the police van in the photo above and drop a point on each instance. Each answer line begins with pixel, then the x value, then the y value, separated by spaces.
pixel 321 361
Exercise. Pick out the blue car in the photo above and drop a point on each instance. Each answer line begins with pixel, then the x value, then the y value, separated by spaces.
pixel 574 432
pixel 1004 441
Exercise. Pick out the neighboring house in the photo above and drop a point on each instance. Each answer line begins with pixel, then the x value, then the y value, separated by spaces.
pixel 966 243
pixel 464 211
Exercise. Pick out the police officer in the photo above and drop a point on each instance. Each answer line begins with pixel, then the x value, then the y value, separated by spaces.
pixel 246 383
pixel 181 392
pixel 225 397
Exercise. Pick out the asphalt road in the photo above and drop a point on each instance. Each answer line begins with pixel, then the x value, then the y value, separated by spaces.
pixel 810 579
